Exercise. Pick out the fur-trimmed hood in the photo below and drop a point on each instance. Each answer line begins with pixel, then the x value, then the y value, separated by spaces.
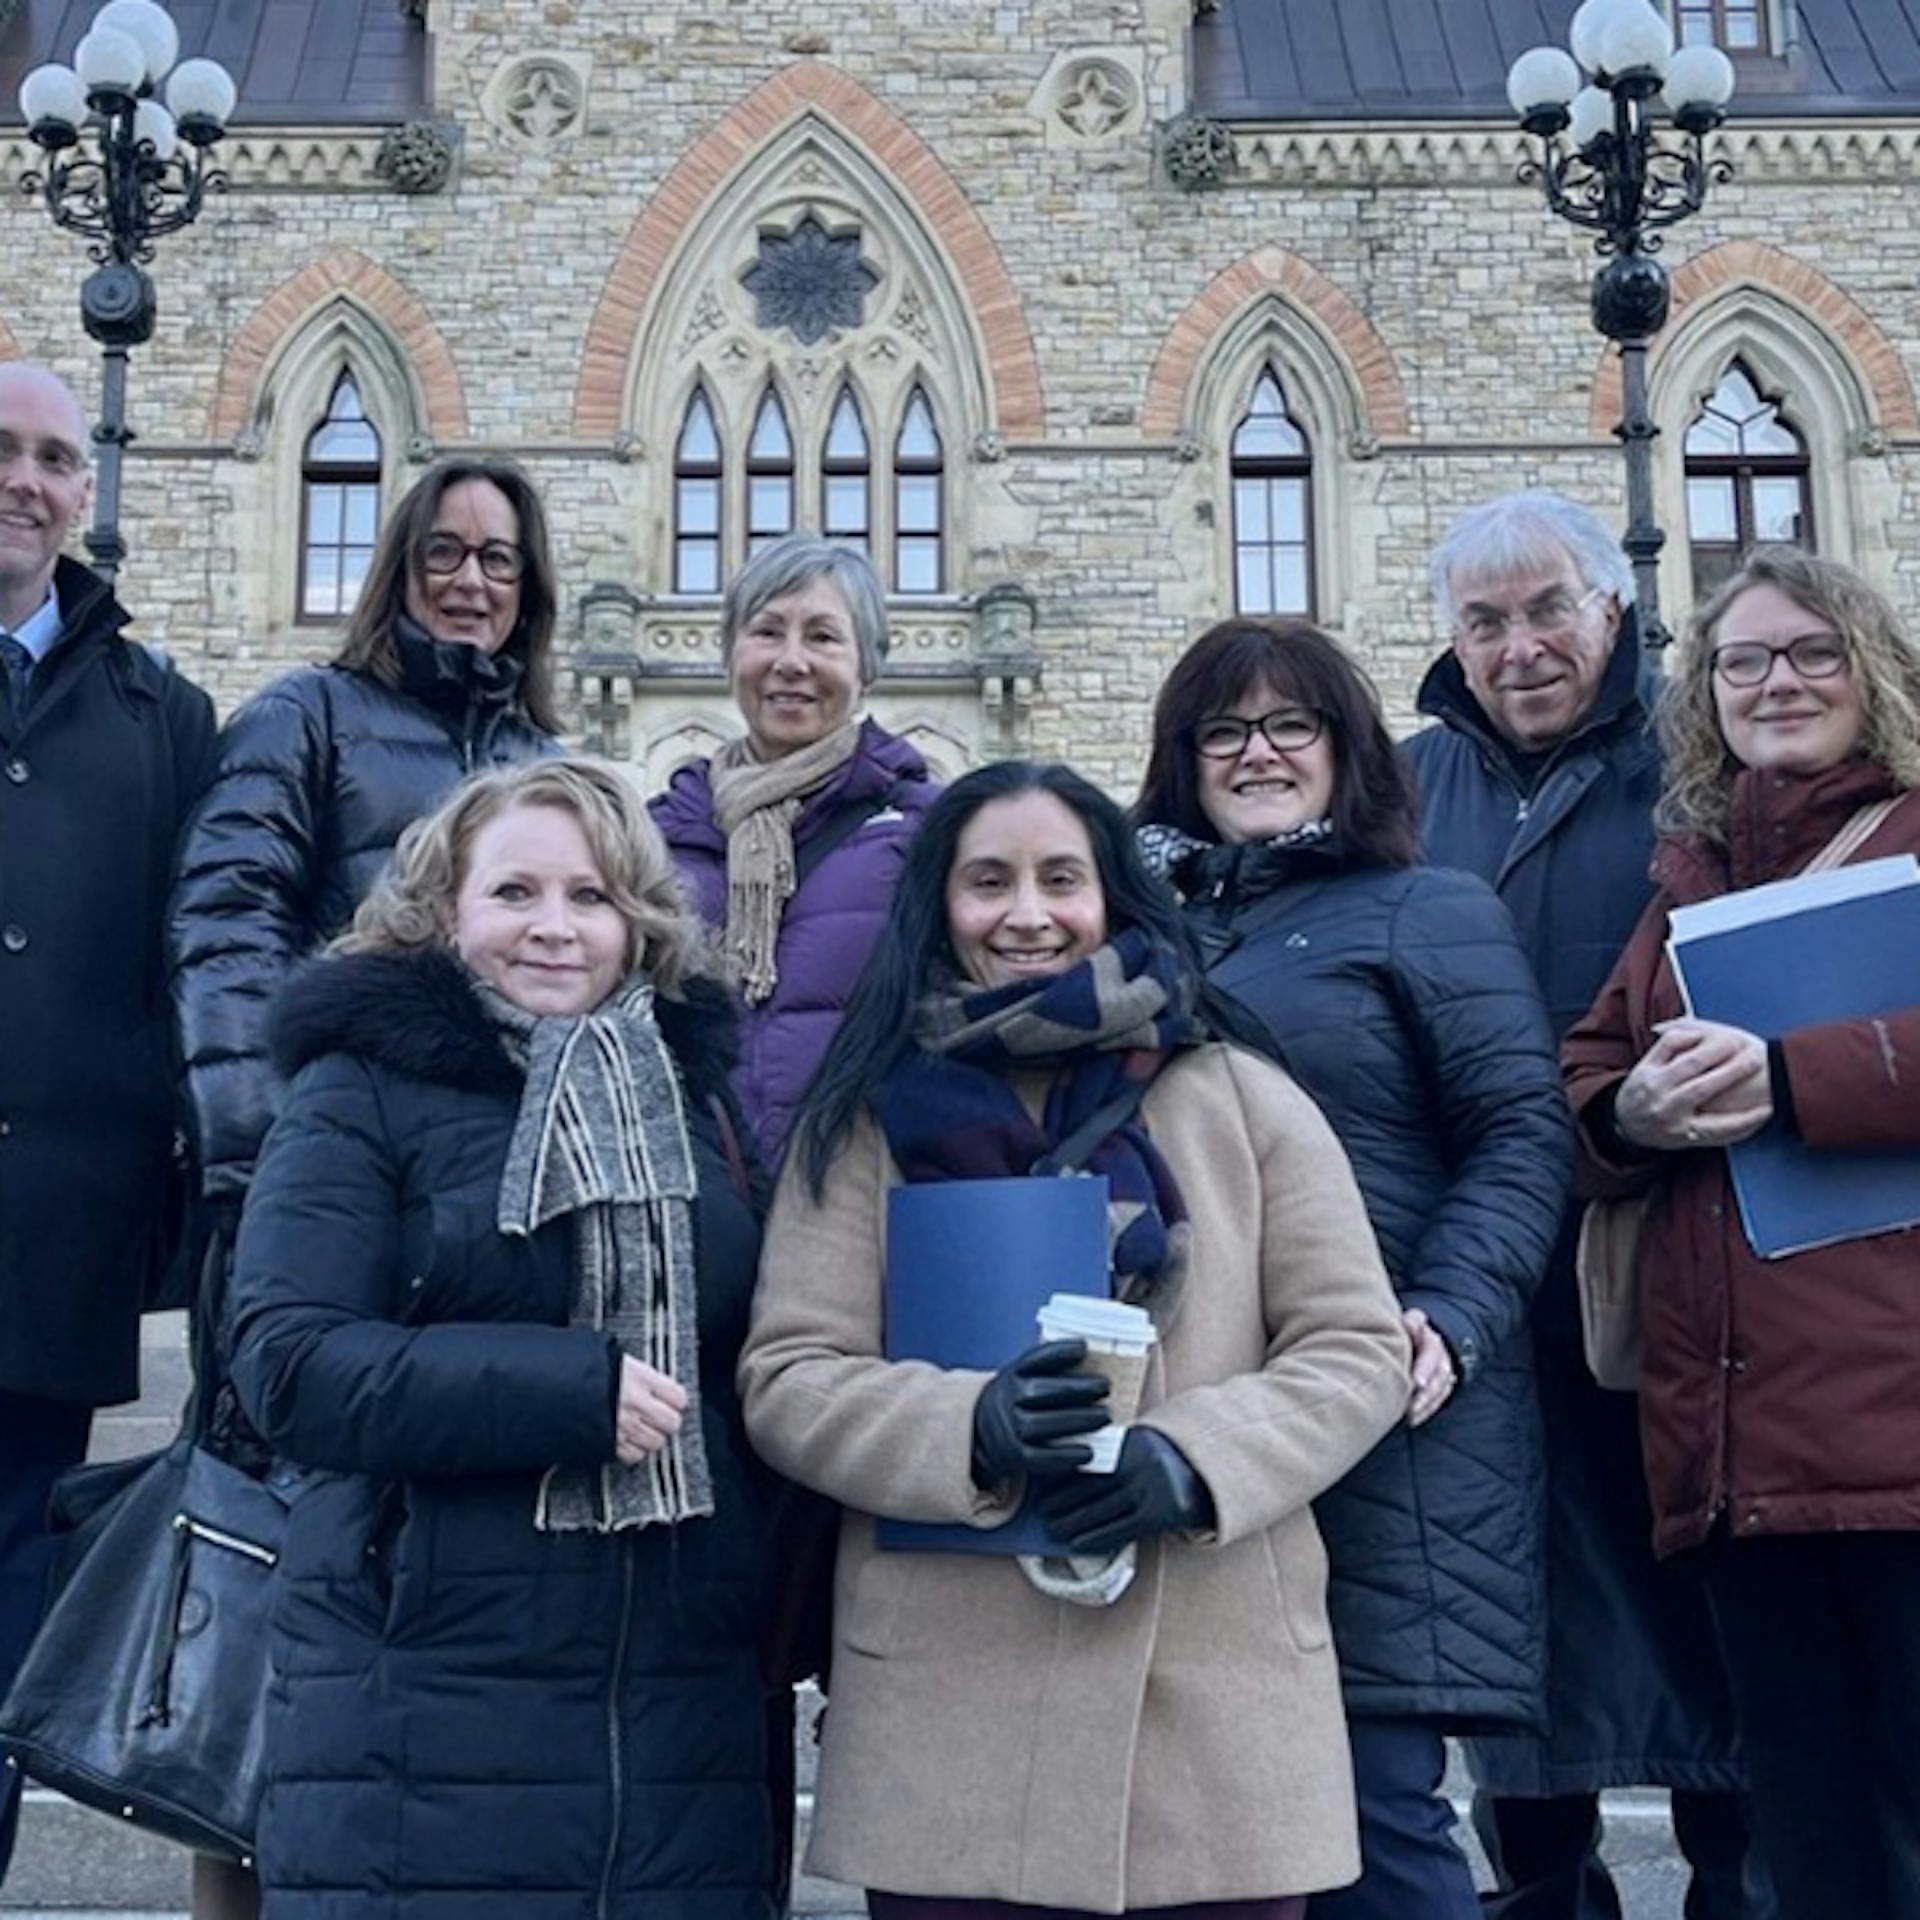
pixel 416 1013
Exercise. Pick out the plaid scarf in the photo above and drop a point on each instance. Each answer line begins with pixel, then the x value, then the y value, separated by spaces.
pixel 602 1136
pixel 949 1112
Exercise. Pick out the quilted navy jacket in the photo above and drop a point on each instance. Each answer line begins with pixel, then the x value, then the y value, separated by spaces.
pixel 830 924
pixel 319 774
pixel 1400 999
pixel 469 1717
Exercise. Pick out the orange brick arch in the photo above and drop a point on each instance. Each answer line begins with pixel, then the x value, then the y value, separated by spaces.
pixel 293 300
pixel 1013 370
pixel 9 347
pixel 1272 270
pixel 1752 263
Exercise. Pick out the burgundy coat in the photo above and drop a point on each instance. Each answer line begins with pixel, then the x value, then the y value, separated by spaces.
pixel 830 925
pixel 1784 1394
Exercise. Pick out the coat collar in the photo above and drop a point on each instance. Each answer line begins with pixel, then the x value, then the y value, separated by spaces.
pixel 417 1014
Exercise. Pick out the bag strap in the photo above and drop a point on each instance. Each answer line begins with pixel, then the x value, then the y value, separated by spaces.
pixel 730 1147
pixel 1853 836
pixel 840 827
pixel 1079 1146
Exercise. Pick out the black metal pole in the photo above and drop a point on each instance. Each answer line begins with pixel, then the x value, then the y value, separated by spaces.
pixel 111 436
pixel 1631 296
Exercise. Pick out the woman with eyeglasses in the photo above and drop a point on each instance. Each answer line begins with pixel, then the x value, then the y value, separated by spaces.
pixel 446 669
pixel 1780 1400
pixel 1399 998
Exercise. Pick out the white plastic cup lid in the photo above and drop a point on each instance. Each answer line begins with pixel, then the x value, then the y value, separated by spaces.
pixel 1112 1323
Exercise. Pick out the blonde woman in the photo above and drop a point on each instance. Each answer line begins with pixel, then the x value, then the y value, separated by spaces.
pixel 492 1279
pixel 1781 1403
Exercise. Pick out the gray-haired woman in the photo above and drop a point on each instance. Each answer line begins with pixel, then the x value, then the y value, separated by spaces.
pixel 791 837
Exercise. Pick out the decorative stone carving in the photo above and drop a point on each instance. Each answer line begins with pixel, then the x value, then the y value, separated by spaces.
pixel 538 99
pixel 989 448
pixel 417 158
pixel 910 316
pixel 1198 152
pixel 609 622
pixel 1362 445
pixel 810 282
pixel 1189 447
pixel 1095 98
pixel 250 442
pixel 627 446
pixel 1873 442
pixel 1091 94
pixel 420 449
pixel 708 316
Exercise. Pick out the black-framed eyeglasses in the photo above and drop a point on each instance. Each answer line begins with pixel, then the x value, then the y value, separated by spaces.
pixel 1813 656
pixel 442 554
pixel 1287 729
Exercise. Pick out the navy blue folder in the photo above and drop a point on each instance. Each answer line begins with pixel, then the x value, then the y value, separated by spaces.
pixel 1845 961
pixel 970 1263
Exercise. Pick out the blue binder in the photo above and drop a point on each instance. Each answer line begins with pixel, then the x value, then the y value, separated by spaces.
pixel 970 1263
pixel 1847 960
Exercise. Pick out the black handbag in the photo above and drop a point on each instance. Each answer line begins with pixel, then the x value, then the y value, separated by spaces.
pixel 144 1691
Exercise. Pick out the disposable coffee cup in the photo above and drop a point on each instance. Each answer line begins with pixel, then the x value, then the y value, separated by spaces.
pixel 1119 1343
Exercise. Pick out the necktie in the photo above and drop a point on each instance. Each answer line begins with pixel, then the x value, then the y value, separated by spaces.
pixel 19 665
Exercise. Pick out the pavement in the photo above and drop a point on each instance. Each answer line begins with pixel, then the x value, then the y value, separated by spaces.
pixel 72 1864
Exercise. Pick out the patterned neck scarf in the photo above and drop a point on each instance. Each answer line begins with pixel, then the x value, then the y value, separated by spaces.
pixel 1171 853
pixel 602 1136
pixel 949 1111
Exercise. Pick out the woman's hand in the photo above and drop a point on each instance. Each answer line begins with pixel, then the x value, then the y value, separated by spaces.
pixel 1433 1376
pixel 1700 1084
pixel 648 1413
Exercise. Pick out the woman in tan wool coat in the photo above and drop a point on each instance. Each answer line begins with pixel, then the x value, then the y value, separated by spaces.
pixel 1162 1728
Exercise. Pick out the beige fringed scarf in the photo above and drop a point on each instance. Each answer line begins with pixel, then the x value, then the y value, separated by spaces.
pixel 755 803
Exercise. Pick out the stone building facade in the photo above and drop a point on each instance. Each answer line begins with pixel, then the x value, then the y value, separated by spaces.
pixel 616 228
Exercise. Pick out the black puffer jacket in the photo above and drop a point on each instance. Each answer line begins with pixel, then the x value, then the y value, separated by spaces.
pixel 319 775
pixel 1401 1001
pixel 469 1716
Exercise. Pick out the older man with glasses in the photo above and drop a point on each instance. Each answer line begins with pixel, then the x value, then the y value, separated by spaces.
pixel 1541 777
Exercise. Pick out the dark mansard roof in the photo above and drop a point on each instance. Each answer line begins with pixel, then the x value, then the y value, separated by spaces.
pixel 1448 59
pixel 305 62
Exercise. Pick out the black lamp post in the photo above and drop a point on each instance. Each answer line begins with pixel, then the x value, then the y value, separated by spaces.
pixel 1605 169
pixel 122 170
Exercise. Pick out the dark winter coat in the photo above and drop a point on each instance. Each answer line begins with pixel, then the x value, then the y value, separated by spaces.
pixel 469 1716
pixel 1401 1001
pixel 320 773
pixel 1634 1690
pixel 1781 1396
pixel 96 781
pixel 830 924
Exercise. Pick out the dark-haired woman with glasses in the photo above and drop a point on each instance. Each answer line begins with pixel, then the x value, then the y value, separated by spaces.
pixel 1399 998
pixel 446 669
pixel 1780 1401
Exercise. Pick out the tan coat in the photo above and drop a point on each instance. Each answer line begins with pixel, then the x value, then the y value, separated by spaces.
pixel 1187 1743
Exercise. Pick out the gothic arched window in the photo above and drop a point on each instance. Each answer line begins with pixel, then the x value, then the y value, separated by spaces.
pixel 846 476
pixel 1271 465
pixel 919 476
pixel 339 505
pixel 1748 479
pixel 696 500
pixel 769 475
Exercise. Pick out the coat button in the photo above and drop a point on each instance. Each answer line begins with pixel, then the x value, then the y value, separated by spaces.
pixel 17 771
pixel 14 939
pixel 6 1129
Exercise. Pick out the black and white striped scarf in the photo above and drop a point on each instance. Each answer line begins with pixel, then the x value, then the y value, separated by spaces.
pixel 602 1135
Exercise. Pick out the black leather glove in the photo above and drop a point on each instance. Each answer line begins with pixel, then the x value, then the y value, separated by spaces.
pixel 1152 1490
pixel 1034 1401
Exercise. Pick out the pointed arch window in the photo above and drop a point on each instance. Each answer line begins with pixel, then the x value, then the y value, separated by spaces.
pixel 1271 465
pixel 1748 479
pixel 846 476
pixel 697 475
pixel 919 487
pixel 339 505
pixel 769 475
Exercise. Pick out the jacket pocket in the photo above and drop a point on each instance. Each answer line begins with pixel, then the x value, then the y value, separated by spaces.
pixel 1297 1563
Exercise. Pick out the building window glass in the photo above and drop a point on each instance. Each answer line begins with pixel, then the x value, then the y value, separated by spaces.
pixel 1738 26
pixel 918 485
pixel 1748 479
pixel 1272 475
pixel 696 500
pixel 339 505
pixel 769 475
pixel 846 476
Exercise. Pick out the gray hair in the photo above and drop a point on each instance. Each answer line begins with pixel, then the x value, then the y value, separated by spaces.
pixel 1524 533
pixel 796 562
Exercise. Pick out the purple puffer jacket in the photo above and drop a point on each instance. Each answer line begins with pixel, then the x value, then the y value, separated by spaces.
pixel 830 925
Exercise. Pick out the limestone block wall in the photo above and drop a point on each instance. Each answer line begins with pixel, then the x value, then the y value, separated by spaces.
pixel 1088 330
